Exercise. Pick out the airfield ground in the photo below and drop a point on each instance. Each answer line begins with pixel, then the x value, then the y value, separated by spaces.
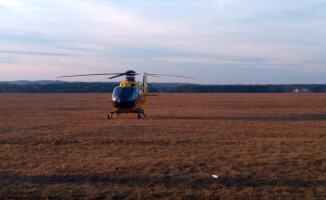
pixel 262 146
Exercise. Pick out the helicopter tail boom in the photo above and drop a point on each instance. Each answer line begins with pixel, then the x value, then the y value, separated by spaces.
pixel 153 94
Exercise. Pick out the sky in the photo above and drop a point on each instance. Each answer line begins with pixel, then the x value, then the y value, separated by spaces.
pixel 216 41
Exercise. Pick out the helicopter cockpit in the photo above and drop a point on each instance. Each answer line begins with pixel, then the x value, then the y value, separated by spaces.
pixel 126 97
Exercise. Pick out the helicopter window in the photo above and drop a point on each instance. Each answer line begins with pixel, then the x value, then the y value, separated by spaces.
pixel 125 93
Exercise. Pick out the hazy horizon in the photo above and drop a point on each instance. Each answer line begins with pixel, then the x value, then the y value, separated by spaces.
pixel 216 41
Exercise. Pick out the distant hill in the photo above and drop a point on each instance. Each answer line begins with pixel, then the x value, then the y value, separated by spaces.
pixel 24 82
pixel 167 85
pixel 46 86
pixel 304 88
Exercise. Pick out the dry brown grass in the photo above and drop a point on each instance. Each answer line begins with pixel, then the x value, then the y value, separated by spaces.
pixel 263 146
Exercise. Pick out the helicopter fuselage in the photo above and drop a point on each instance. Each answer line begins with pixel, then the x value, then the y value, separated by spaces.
pixel 129 97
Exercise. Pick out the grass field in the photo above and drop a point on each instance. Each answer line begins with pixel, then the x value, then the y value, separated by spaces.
pixel 262 146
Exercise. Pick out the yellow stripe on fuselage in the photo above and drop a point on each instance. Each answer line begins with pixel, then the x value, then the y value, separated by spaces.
pixel 129 84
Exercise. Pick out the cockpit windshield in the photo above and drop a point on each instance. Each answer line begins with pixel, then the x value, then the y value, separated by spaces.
pixel 125 93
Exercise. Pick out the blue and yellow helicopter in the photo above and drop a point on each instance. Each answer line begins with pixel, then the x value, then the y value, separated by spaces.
pixel 129 96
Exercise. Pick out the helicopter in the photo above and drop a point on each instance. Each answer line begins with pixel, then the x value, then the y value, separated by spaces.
pixel 129 96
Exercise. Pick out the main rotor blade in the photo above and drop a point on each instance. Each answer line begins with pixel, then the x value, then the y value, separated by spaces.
pixel 89 75
pixel 123 74
pixel 170 75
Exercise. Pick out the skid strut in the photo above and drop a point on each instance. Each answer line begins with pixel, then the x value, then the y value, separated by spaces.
pixel 110 115
pixel 141 113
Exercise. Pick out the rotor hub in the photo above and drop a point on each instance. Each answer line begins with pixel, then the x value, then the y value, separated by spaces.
pixel 130 73
pixel 130 78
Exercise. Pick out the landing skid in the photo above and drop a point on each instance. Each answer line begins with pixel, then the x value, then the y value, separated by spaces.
pixel 111 114
pixel 139 115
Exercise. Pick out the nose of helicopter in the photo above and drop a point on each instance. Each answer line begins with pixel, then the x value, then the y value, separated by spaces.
pixel 120 103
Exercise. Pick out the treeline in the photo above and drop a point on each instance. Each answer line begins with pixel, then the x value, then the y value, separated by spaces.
pixel 58 88
pixel 82 87
pixel 307 88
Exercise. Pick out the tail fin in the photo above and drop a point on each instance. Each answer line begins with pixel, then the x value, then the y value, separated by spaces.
pixel 144 86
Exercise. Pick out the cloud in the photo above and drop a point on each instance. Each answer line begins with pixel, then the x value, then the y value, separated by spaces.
pixel 34 53
pixel 104 35
pixel 314 61
pixel 215 60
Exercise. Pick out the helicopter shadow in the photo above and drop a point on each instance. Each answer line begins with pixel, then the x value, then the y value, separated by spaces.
pixel 274 117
